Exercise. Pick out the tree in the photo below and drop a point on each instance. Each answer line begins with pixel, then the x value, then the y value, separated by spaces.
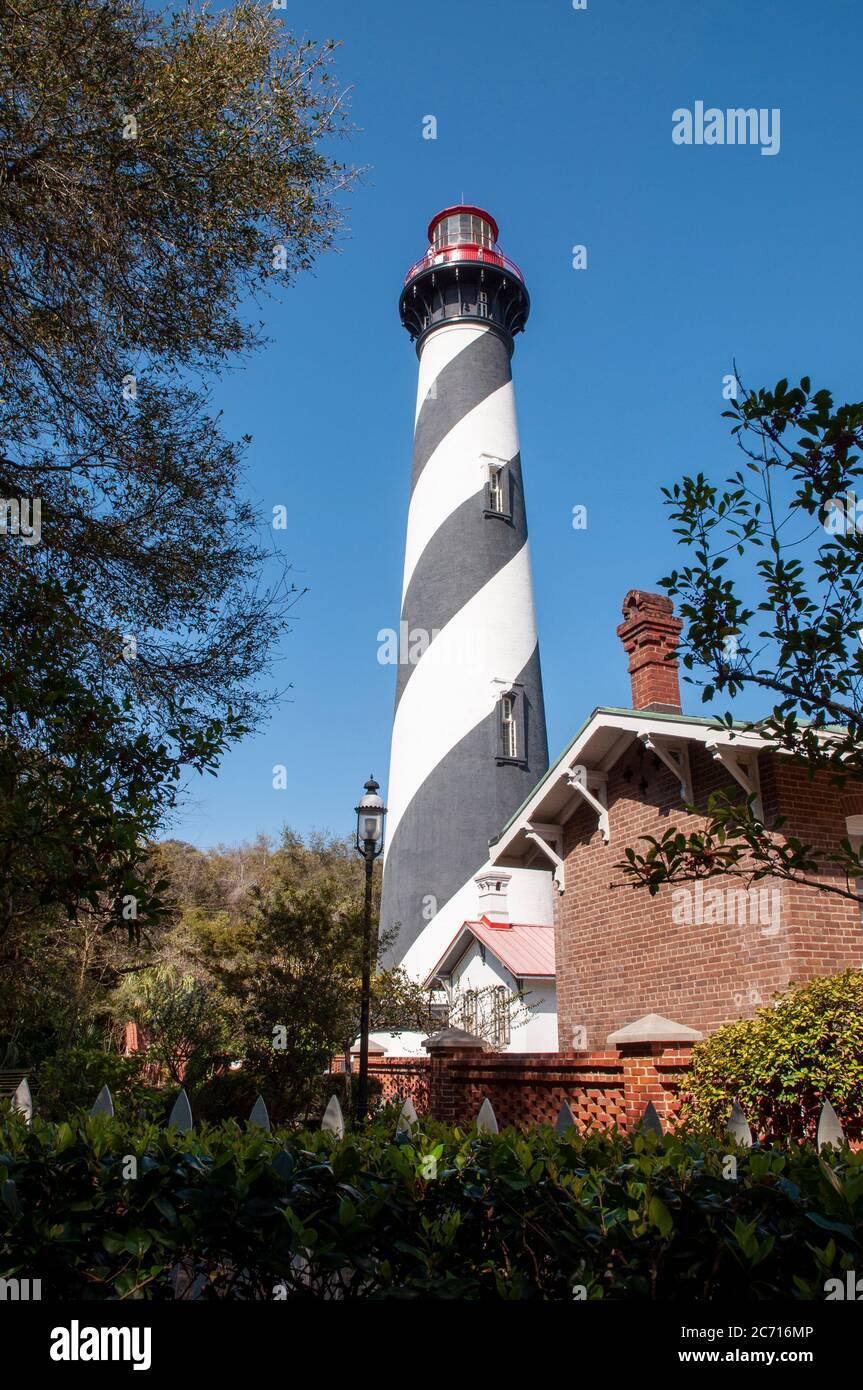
pixel 286 958
pixel 156 171
pixel 183 1019
pixel 771 602
pixel 294 995
pixel 80 784
pixel 159 172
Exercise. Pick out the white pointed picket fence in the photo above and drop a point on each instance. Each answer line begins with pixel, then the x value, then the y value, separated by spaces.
pixel 737 1128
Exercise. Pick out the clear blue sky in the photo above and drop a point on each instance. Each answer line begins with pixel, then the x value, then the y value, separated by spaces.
pixel 559 123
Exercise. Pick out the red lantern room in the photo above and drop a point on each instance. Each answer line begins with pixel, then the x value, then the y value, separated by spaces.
pixel 462 226
pixel 464 274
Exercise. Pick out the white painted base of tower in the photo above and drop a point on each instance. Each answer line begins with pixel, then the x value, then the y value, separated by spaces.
pixel 529 900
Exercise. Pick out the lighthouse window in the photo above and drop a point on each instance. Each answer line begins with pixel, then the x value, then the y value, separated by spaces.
pixel 509 729
pixel 512 736
pixel 482 303
pixel 462 228
pixel 497 492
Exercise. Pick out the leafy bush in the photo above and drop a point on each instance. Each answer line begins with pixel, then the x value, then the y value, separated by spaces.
pixel 781 1065
pixel 233 1093
pixel 224 1214
pixel 71 1080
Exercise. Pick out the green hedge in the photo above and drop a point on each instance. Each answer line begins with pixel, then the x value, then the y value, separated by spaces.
pixel 804 1048
pixel 250 1215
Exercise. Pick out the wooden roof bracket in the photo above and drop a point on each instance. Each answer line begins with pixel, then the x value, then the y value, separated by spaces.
pixel 743 766
pixel 578 778
pixel 675 756
pixel 537 834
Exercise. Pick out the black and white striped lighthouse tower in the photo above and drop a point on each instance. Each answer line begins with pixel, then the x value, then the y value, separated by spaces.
pixel 469 738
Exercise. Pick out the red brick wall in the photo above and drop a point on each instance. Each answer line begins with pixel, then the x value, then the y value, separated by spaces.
pixel 620 954
pixel 401 1077
pixel 603 1090
pixel 528 1089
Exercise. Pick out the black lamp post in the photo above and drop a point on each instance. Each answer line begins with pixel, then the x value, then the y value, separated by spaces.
pixel 370 843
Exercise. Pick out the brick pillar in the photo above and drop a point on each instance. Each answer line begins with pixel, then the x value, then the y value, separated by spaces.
pixel 642 1083
pixel 655 1054
pixel 441 1096
pixel 445 1049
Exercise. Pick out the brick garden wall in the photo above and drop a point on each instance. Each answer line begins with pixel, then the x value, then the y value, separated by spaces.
pixel 401 1077
pixel 603 1089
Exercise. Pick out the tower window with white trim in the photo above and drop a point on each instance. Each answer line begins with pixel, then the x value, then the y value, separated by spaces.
pixel 512 726
pixel 509 726
pixel 498 490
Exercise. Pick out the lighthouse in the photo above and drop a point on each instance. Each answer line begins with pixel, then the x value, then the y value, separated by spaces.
pixel 469 738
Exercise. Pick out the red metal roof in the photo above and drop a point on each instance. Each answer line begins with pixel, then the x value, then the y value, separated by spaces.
pixel 526 949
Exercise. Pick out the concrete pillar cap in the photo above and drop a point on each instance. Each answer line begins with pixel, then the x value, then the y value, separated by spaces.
pixel 454 1037
pixel 653 1028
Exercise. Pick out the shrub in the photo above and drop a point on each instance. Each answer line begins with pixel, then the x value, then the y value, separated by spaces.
pixel 233 1093
pixel 220 1213
pixel 70 1081
pixel 781 1065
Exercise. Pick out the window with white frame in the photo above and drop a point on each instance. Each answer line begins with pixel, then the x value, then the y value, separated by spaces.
pixel 509 725
pixel 497 490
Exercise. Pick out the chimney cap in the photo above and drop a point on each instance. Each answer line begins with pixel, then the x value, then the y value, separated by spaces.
pixel 639 599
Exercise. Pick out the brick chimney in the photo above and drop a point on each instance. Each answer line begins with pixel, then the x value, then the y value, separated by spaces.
pixel 650 633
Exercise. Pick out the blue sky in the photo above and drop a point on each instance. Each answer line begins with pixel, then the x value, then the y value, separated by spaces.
pixel 558 122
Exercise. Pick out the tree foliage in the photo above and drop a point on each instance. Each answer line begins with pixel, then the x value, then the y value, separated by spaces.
pixel 81 784
pixel 268 941
pixel 151 164
pixel 771 602
pixel 159 174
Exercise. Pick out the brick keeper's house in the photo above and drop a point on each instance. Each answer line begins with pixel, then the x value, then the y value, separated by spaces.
pixel 639 978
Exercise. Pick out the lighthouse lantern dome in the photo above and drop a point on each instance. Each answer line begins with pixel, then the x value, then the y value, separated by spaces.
pixel 463 225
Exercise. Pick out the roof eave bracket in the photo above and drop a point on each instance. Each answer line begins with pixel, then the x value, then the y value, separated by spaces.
pixel 537 833
pixel 675 756
pixel 743 768
pixel 577 779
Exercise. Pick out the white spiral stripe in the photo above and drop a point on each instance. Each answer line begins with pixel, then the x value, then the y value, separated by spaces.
pixel 455 472
pixel 453 687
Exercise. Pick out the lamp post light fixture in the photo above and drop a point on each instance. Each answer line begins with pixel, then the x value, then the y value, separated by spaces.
pixel 370 843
